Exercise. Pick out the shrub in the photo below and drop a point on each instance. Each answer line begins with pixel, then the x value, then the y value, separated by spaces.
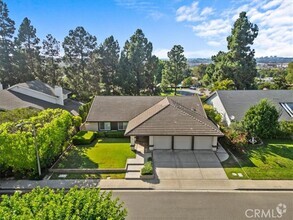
pixel 17 141
pixel 17 114
pixel 114 134
pixel 147 168
pixel 285 129
pixel 77 121
pixel 84 109
pixel 261 119
pixel 46 203
pixel 100 134
pixel 212 113
pixel 83 137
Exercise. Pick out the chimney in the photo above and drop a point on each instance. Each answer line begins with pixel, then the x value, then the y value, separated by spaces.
pixel 1 86
pixel 59 94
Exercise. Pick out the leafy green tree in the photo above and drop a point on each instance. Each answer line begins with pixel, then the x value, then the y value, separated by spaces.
pixel 6 46
pixel 135 57
pixel 152 69
pixel 107 59
pixel 177 65
pixel 189 81
pixel 78 47
pixel 46 203
pixel 199 71
pixel 51 67
pixel 289 77
pixel 226 84
pixel 261 119
pixel 28 52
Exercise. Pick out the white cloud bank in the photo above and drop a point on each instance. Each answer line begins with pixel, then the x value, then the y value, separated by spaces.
pixel 273 17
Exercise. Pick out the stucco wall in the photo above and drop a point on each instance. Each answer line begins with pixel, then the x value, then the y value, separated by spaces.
pixel 216 102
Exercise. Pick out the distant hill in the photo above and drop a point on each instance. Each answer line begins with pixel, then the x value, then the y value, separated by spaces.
pixel 271 59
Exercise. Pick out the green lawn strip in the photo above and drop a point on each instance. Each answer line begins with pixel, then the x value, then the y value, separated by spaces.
pixel 272 160
pixel 90 176
pixel 231 166
pixel 102 153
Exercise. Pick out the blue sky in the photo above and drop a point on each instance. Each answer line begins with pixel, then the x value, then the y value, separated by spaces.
pixel 201 27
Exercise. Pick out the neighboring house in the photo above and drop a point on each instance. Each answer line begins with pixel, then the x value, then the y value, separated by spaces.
pixel 233 104
pixel 162 122
pixel 38 95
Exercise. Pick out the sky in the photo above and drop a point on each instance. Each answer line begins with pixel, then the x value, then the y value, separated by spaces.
pixel 200 26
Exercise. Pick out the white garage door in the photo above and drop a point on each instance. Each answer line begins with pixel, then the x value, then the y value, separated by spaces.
pixel 182 142
pixel 203 143
pixel 162 142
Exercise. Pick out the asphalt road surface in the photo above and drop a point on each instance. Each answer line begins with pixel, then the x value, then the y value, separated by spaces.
pixel 207 205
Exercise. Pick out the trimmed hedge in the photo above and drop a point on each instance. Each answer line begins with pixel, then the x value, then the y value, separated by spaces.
pixel 114 134
pixel 147 168
pixel 83 137
pixel 17 142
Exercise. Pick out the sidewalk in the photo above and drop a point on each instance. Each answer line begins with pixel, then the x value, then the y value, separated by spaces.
pixel 153 184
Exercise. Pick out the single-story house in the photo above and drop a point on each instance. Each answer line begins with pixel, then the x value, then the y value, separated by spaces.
pixel 38 95
pixel 233 104
pixel 163 122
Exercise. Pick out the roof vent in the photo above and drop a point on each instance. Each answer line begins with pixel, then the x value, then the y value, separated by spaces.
pixel 232 117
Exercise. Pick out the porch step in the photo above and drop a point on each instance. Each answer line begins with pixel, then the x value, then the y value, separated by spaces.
pixel 132 175
pixel 135 161
pixel 134 168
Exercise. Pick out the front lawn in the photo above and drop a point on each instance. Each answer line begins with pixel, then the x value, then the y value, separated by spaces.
pixel 273 160
pixel 102 153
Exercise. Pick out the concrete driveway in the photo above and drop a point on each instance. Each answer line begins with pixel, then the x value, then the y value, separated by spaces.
pixel 189 165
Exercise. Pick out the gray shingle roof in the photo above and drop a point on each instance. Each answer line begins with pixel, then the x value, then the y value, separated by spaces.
pixel 11 100
pixel 168 117
pixel 125 108
pixel 41 87
pixel 237 102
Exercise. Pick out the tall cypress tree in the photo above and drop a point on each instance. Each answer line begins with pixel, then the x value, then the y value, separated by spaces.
pixel 240 54
pixel 6 46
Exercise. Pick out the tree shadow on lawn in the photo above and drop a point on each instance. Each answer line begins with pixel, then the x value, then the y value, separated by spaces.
pixel 77 158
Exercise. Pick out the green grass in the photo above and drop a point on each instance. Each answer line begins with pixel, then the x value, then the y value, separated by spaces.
pixel 272 160
pixel 90 176
pixel 102 153
pixel 231 166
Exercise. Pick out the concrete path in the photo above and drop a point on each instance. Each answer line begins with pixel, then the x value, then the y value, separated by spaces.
pixel 153 184
pixel 187 165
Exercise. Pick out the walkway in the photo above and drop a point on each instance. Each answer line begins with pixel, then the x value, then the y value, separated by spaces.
pixel 134 165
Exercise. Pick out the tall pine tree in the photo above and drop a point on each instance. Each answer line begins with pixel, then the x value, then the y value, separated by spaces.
pixel 135 57
pixel 78 47
pixel 6 46
pixel 51 61
pixel 28 52
pixel 107 59
pixel 177 66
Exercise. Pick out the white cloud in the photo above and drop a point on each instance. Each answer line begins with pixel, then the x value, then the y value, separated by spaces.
pixel 161 53
pixel 193 13
pixel 273 17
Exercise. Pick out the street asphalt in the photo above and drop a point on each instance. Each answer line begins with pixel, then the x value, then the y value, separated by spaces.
pixel 207 205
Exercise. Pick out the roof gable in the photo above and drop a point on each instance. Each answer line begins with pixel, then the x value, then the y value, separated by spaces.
pixel 168 117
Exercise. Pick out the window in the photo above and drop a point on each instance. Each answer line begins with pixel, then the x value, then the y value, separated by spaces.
pixel 122 125
pixel 288 108
pixel 105 126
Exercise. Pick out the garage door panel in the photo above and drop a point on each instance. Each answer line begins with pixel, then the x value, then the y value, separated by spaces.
pixel 182 142
pixel 203 142
pixel 162 142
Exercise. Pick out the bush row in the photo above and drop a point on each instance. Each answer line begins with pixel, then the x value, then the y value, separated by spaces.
pixel 46 203
pixel 110 134
pixel 147 168
pixel 17 141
